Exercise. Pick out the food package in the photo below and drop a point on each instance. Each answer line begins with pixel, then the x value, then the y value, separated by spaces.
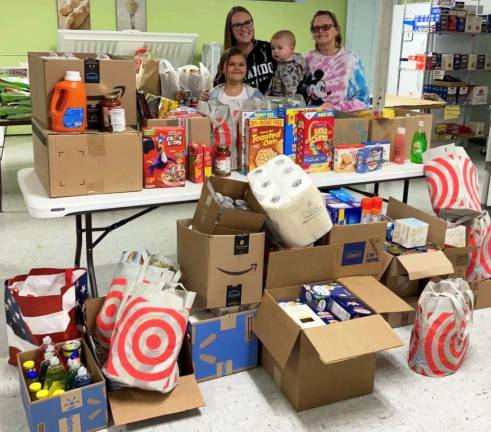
pixel 385 150
pixel 296 210
pixel 455 236
pixel 196 163
pixel 370 158
pixel 410 232
pixel 303 315
pixel 345 156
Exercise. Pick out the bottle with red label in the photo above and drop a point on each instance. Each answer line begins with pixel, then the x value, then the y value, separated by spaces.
pixel 400 146
pixel 222 162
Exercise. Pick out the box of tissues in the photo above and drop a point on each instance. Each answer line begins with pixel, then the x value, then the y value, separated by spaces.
pixel 410 232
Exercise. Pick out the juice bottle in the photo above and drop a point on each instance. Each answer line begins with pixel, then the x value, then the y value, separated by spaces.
pixel 55 376
pixel 69 104
pixel 83 377
pixel 419 144
pixel 400 146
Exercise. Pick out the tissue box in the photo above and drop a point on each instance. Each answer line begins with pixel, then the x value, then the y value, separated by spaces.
pixel 345 157
pixel 385 150
pixel 303 315
pixel 314 141
pixel 316 296
pixel 456 236
pixel 410 232
pixel 370 159
pixel 343 213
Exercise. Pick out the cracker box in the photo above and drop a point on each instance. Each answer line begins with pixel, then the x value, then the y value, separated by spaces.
pixel 164 157
pixel 315 132
pixel 264 141
pixel 370 159
pixel 344 159
pixel 385 144
pixel 196 165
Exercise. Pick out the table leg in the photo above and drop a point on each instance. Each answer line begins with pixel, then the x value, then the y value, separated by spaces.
pixel 405 192
pixel 3 130
pixel 89 248
pixel 375 188
pixel 78 233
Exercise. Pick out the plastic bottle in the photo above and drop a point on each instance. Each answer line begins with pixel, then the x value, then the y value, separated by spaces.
pixel 83 377
pixel 55 376
pixel 58 392
pixel 419 144
pixel 43 367
pixel 42 394
pixel 73 367
pixel 400 146
pixel 366 210
pixel 34 388
pixel 31 376
pixel 377 203
pixel 69 104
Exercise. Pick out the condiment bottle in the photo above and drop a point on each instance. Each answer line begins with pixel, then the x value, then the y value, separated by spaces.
pixel 400 146
pixel 110 101
pixel 222 161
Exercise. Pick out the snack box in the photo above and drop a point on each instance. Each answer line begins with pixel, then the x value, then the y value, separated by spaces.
pixel 343 213
pixel 196 163
pixel 315 131
pixel 385 144
pixel 345 156
pixel 410 232
pixel 345 306
pixel 316 296
pixel 370 159
pixel 164 157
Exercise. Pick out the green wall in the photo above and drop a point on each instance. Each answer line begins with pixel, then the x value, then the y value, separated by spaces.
pixel 30 25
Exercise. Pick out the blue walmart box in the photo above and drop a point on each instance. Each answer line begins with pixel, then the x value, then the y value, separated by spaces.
pixel 82 409
pixel 222 345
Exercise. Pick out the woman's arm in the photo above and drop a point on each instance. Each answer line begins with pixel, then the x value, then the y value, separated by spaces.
pixel 358 96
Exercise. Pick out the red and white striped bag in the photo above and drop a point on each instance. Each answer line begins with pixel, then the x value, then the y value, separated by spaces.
pixel 440 335
pixel 452 182
pixel 479 233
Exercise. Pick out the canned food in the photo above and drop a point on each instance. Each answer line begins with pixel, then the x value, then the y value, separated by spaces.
pixel 69 347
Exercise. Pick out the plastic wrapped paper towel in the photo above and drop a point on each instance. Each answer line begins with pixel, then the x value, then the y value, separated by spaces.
pixel 294 206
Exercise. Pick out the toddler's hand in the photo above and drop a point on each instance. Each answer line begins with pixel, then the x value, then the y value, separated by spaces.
pixel 205 96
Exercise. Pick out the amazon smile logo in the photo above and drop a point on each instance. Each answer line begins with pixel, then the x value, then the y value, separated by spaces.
pixel 252 267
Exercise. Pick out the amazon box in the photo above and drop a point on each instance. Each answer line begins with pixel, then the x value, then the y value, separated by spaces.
pixel 328 363
pixel 80 409
pixel 129 405
pixel 224 269
pixel 222 345
pixel 101 77
pixel 416 266
pixel 71 164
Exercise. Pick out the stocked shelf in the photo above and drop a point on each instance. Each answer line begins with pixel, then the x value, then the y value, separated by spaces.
pixel 437 139
pixel 445 33
pixel 439 70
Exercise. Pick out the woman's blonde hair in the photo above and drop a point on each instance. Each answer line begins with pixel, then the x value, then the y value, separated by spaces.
pixel 229 38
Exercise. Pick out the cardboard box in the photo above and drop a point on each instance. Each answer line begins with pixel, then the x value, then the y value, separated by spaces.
pixel 222 345
pixel 386 129
pixel 100 77
pixel 362 247
pixel 324 364
pixel 482 294
pixel 402 319
pixel 210 218
pixel 87 163
pixel 350 128
pixel 459 257
pixel 224 270
pixel 129 405
pixel 197 128
pixel 416 265
pixel 81 409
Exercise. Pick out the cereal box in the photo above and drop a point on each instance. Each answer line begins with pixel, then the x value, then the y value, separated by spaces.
pixel 291 129
pixel 196 167
pixel 264 141
pixel 344 159
pixel 164 157
pixel 207 160
pixel 314 140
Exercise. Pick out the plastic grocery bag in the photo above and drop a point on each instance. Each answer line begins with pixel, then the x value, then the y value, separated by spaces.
pixel 195 79
pixel 452 182
pixel 479 233
pixel 148 334
pixel 440 335
pixel 44 302
pixel 147 77
pixel 169 79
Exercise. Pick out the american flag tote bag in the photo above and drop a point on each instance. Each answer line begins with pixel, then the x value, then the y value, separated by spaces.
pixel 45 302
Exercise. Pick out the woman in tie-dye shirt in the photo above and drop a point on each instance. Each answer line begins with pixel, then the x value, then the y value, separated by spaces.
pixel 334 75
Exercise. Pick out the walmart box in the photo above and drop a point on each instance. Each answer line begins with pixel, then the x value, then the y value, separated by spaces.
pixel 81 409
pixel 222 345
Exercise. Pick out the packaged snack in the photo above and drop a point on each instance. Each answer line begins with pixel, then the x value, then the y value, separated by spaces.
pixel 195 163
pixel 343 211
pixel 345 157
pixel 164 157
pixel 316 296
pixel 369 159
pixel 314 140
pixel 385 150
pixel 410 232
pixel 345 306
pixel 207 161
pixel 264 141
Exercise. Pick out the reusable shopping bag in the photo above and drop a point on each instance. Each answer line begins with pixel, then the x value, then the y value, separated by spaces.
pixel 440 335
pixel 169 79
pixel 195 79
pixel 479 233
pixel 149 331
pixel 147 77
pixel 44 302
pixel 452 182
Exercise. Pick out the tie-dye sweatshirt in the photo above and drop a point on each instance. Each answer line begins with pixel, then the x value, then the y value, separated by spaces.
pixel 338 79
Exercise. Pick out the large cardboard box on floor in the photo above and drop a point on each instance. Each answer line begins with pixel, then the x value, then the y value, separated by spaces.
pixel 87 163
pixel 397 269
pixel 81 409
pixel 350 128
pixel 223 269
pixel 320 365
pixel 222 345
pixel 386 129
pixel 101 77
pixel 129 405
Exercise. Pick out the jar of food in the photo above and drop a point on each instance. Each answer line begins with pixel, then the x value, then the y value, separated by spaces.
pixel 109 102
pixel 222 161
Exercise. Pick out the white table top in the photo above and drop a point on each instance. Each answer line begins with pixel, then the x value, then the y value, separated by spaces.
pixel 40 205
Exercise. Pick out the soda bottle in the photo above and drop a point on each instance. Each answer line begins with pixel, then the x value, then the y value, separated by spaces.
pixel 73 367
pixel 400 146
pixel 83 377
pixel 55 376
pixel 419 144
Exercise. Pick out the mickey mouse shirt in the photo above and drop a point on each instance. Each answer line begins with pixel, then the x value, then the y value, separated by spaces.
pixel 338 79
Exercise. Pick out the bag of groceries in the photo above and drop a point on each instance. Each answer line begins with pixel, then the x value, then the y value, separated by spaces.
pixel 479 233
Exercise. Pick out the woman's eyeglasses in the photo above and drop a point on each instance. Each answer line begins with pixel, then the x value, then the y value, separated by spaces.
pixel 324 27
pixel 246 24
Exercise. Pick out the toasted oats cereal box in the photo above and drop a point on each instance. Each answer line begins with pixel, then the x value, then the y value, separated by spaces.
pixel 264 141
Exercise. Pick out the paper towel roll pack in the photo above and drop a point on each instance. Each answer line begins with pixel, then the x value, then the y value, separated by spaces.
pixel 295 207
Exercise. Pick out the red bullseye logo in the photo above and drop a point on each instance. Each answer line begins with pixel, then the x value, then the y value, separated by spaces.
pixel 109 311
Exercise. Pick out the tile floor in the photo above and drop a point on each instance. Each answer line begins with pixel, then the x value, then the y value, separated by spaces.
pixel 401 401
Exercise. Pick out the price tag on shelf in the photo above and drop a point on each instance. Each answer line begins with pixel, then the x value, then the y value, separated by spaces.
pixel 451 112
pixel 437 74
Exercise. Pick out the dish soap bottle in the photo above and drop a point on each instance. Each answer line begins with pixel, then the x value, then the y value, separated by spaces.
pixel 419 144
pixel 73 367
pixel 55 376
pixel 83 377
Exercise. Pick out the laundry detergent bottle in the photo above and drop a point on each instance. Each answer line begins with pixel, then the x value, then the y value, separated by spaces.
pixel 69 104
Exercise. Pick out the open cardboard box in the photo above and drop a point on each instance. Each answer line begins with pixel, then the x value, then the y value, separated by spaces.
pixel 129 405
pixel 210 218
pixel 329 363
pixel 416 265
pixel 350 128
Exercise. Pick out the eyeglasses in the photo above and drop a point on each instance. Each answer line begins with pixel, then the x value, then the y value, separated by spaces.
pixel 324 27
pixel 246 24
